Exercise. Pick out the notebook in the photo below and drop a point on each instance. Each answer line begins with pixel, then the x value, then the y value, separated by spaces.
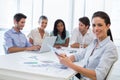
pixel 48 41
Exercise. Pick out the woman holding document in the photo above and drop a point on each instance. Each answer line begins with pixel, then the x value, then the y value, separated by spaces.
pixel 99 56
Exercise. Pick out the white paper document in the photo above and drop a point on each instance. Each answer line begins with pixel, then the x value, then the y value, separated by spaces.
pixel 37 61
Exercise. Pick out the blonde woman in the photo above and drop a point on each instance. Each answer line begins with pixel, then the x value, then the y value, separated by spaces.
pixel 37 35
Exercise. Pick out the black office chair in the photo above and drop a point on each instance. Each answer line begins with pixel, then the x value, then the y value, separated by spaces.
pixel 110 34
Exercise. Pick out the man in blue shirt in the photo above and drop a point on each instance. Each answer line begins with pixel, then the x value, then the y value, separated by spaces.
pixel 15 40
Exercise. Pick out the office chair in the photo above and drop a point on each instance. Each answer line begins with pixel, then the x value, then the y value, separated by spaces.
pixel 6 52
pixel 108 77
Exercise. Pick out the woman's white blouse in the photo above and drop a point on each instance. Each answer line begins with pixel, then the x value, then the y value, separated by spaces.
pixel 35 35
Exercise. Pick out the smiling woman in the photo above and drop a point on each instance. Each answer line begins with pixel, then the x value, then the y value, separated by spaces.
pixel 101 24
pixel 37 35
pixel 97 55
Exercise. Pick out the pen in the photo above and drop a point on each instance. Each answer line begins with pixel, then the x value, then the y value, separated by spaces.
pixel 59 55
pixel 55 51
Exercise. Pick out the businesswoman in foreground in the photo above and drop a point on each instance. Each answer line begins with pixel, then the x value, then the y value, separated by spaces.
pixel 99 56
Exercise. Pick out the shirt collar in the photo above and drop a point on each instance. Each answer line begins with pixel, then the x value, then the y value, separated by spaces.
pixel 103 42
pixel 88 31
pixel 14 31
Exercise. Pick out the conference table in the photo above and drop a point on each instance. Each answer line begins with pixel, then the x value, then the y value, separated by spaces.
pixel 32 65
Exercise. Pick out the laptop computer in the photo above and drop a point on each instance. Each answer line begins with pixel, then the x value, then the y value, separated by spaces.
pixel 48 41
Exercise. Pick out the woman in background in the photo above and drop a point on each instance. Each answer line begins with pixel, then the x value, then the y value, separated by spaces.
pixel 37 35
pixel 61 33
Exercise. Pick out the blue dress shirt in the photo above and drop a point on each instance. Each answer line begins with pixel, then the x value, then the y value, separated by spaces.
pixel 13 38
pixel 104 55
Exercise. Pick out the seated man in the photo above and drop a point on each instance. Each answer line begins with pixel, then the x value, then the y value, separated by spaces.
pixel 82 36
pixel 15 40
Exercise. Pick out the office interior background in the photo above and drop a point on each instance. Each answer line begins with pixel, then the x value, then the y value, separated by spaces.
pixel 68 10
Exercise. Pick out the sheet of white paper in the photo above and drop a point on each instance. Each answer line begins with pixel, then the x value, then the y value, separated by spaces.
pixel 39 61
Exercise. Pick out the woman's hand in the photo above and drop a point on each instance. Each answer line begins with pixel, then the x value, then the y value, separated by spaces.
pixel 75 45
pixel 64 59
pixel 57 46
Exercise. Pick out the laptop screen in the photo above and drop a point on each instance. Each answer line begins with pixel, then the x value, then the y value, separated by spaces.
pixel 48 41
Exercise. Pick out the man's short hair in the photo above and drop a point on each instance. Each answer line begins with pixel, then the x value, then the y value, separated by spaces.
pixel 85 21
pixel 19 16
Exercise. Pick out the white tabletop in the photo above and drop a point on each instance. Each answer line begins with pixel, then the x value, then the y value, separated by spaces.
pixel 33 66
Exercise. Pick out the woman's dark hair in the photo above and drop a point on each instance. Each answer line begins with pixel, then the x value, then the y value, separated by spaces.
pixel 109 34
pixel 106 18
pixel 19 16
pixel 85 21
pixel 55 30
pixel 102 15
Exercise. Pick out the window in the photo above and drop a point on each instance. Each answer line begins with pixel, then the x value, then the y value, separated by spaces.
pixel 78 12
pixel 68 10
pixel 111 7
pixel 33 11
pixel 8 9
pixel 57 9
pixel 27 10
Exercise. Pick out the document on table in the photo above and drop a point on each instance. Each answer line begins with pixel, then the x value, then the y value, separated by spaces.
pixel 68 51
pixel 37 61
